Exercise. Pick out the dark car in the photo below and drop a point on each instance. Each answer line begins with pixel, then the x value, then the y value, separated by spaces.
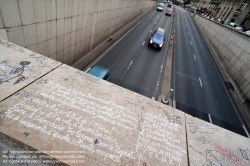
pixel 157 39
pixel 169 12
pixel 100 72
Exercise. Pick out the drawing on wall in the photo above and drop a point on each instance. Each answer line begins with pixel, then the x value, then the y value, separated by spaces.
pixel 218 157
pixel 11 45
pixel 16 72
pixel 244 154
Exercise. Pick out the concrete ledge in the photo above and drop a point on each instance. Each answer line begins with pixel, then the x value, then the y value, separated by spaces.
pixel 87 59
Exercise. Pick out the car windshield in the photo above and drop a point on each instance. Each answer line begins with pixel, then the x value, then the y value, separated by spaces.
pixel 160 6
pixel 158 36
pixel 169 10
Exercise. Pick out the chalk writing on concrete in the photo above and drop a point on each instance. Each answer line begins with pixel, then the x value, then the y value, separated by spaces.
pixel 43 112
pixel 158 140
pixel 91 123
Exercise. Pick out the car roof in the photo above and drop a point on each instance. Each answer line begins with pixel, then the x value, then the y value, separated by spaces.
pixel 98 71
pixel 161 30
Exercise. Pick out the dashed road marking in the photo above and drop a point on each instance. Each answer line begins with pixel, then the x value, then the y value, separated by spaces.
pixel 127 69
pixel 210 119
pixel 143 43
pixel 200 81
pixel 246 131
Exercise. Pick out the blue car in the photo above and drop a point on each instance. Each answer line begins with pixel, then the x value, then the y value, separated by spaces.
pixel 100 72
pixel 160 7
pixel 157 38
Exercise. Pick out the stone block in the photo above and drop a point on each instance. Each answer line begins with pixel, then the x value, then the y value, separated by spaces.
pixel 10 13
pixel 66 40
pixel 72 38
pixel 15 35
pixel 1 20
pixel 27 11
pixel 78 35
pixel 51 10
pixel 59 56
pixel 66 56
pixel 41 32
pixel 81 9
pixel 33 48
pixel 60 27
pixel 3 34
pixel 67 25
pixel 72 53
pixel 79 22
pixel 52 46
pixel 53 56
pixel 30 35
pixel 59 43
pixel 83 34
pixel 75 7
pixel 52 28
pixel 67 8
pixel 77 50
pixel 247 88
pixel 244 85
pixel 43 48
pixel 60 9
pixel 40 11
pixel 74 24
pixel 20 67
pixel 85 21
pixel 248 93
pixel 90 20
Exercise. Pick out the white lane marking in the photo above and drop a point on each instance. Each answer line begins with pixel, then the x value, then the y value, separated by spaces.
pixel 150 31
pixel 186 26
pixel 210 119
pixel 191 43
pixel 155 22
pixel 194 57
pixel 88 70
pixel 143 43
pixel 127 69
pixel 157 85
pixel 174 103
pixel 158 17
pixel 200 81
pixel 188 32
pixel 246 131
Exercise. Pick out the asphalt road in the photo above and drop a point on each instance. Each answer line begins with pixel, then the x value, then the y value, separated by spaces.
pixel 199 89
pixel 134 65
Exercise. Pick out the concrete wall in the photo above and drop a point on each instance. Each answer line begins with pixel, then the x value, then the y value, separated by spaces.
pixel 233 50
pixel 66 30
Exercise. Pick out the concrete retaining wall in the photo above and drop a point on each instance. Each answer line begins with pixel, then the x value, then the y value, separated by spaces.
pixel 233 50
pixel 66 30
